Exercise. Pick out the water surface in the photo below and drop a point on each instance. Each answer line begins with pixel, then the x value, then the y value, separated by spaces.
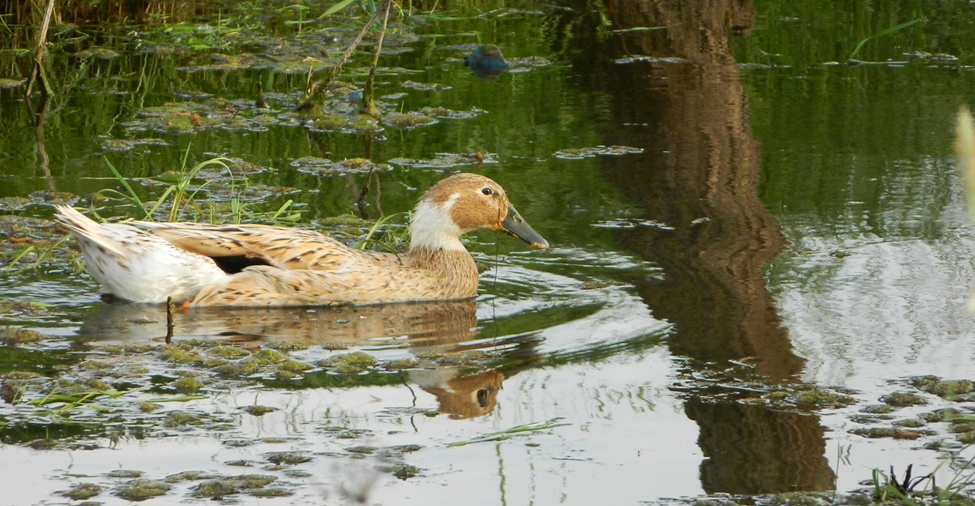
pixel 769 218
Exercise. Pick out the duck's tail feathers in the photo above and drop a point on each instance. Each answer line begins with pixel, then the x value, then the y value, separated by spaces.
pixel 86 230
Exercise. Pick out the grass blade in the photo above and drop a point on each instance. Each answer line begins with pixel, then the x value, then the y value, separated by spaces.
pixel 881 33
pixel 507 433
pixel 132 196
pixel 335 8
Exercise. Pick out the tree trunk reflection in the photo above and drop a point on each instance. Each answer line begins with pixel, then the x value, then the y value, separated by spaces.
pixel 675 92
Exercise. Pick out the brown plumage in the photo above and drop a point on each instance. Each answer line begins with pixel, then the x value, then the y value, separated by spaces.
pixel 260 265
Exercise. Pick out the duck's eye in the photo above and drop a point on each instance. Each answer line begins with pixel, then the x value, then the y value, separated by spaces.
pixel 487 191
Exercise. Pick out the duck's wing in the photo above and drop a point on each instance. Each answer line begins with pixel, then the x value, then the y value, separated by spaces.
pixel 286 248
pixel 263 285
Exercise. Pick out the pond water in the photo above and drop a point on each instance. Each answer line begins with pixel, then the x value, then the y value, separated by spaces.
pixel 755 244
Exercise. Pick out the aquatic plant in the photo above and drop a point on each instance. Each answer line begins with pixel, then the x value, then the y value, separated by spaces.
pixel 881 33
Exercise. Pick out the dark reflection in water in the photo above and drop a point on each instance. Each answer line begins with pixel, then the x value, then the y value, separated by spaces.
pixel 676 93
pixel 444 327
pixel 790 457
pixel 421 324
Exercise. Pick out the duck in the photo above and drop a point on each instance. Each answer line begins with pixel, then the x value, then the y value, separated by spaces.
pixel 195 264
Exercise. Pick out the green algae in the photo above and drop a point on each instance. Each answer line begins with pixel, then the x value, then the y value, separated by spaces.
pixel 241 369
pixel 285 346
pixel 228 352
pixel 190 476
pixel 187 385
pixel 148 407
pixel 879 409
pixel 15 335
pixel 942 388
pixel 258 410
pixel 140 490
pixel 178 356
pixel 407 121
pixel 291 458
pixel 362 450
pixel 349 363
pixel 401 471
pixel 82 491
pixel 219 487
pixel 178 419
pixel 591 152
pixel 268 356
pixel 903 399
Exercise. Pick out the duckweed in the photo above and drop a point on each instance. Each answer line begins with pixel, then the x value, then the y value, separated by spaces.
pixel 284 346
pixel 258 410
pixel 178 356
pixel 187 385
pixel 124 473
pixel 269 357
pixel 228 352
pixel 94 365
pixel 15 335
pixel 181 419
pixel 148 407
pixel 903 399
pixel 941 388
pixel 246 367
pixel 282 374
pixel 140 490
pixel 350 363
pixel 874 432
pixel 878 409
pixel 219 487
pixel 82 491
pixel 823 399
pixel 961 427
pixel 213 363
pixel 129 349
pixel 287 458
pixel 189 476
pixel 403 471
pixel 271 492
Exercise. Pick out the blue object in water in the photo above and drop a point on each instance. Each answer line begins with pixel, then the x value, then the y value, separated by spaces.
pixel 486 62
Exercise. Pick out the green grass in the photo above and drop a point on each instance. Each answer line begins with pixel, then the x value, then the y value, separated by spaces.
pixel 528 428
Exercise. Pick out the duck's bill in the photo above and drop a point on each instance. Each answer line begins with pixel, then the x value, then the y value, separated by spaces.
pixel 515 225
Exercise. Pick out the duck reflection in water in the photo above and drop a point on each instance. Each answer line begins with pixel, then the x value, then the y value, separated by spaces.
pixel 441 329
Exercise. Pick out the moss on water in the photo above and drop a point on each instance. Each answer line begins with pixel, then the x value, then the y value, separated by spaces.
pixel 258 410
pixel 240 369
pixel 140 490
pixel 349 363
pixel 178 356
pixel 228 352
pixel 287 458
pixel 82 491
pixel 187 385
pixel 903 399
pixel 219 487
pixel 824 399
pixel 15 335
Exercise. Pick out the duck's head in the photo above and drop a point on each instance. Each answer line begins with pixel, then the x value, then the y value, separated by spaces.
pixel 463 203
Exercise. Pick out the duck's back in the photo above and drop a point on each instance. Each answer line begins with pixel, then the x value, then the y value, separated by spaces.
pixel 285 248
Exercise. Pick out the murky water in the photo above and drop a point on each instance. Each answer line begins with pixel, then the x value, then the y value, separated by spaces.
pixel 766 220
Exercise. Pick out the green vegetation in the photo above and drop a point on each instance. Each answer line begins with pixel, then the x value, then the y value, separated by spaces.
pixel 518 430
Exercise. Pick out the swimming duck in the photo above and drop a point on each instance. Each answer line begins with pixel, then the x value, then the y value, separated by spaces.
pixel 261 265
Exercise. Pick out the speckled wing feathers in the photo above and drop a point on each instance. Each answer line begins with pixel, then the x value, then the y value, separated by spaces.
pixel 292 249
